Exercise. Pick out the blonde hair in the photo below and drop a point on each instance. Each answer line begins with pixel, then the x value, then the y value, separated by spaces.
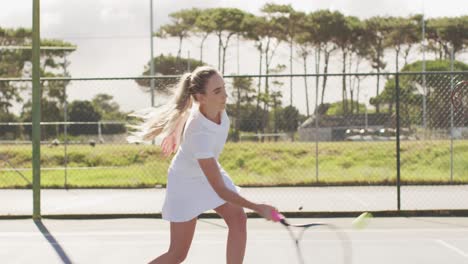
pixel 159 122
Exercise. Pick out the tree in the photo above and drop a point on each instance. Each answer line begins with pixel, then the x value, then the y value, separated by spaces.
pixel 242 94
pixel 224 23
pixel 51 111
pixel 11 65
pixel 404 33
pixel 248 115
pixel 349 32
pixel 17 63
pixel 305 39
pixel 204 28
pixel 289 119
pixel 266 31
pixel 183 23
pixel 166 65
pixel 275 101
pixel 376 30
pixel 55 65
pixel 413 35
pixel 336 108
pixel 9 132
pixel 252 25
pixel 271 31
pixel 109 111
pixel 319 30
pixel 358 49
pixel 9 93
pixel 447 33
pixel 83 111
pixel 290 21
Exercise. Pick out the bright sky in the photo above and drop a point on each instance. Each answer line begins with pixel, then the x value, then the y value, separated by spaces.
pixel 113 36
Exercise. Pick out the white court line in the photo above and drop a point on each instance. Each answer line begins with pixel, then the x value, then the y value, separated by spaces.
pixel 104 243
pixel 205 241
pixel 218 231
pixel 5 244
pixel 19 235
pixel 452 247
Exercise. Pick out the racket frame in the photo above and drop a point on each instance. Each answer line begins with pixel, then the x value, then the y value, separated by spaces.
pixel 297 236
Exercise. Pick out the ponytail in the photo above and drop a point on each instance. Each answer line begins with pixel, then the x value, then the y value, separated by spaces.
pixel 162 121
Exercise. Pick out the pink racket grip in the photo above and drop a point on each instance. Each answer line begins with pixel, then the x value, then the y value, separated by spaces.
pixel 276 216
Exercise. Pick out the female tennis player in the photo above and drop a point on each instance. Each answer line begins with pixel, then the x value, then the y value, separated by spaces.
pixel 196 181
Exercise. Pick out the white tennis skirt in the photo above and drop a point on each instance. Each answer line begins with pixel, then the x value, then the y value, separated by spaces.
pixel 188 197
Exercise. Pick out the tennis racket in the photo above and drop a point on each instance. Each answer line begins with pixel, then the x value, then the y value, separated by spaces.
pixel 320 242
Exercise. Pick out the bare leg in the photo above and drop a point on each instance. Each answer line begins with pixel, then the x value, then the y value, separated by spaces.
pixel 181 239
pixel 236 220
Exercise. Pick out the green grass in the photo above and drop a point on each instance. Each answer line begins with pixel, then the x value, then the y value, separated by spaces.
pixel 249 164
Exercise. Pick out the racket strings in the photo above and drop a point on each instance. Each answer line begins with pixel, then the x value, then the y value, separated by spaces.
pixel 343 252
pixel 345 243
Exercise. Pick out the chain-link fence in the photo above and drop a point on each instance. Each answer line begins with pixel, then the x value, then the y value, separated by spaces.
pixel 329 141
pixel 438 155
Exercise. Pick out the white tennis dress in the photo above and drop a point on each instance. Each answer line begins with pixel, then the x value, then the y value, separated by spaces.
pixel 188 192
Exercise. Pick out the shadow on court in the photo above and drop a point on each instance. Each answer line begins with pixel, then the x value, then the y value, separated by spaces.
pixel 53 242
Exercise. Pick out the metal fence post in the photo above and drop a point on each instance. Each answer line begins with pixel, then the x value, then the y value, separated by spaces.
pixel 451 116
pixel 316 116
pixel 397 84
pixel 36 111
pixel 65 135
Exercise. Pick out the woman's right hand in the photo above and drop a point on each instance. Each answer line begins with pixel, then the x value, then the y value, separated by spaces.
pixel 265 211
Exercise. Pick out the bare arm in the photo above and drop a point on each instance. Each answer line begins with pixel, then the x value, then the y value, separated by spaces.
pixel 210 169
